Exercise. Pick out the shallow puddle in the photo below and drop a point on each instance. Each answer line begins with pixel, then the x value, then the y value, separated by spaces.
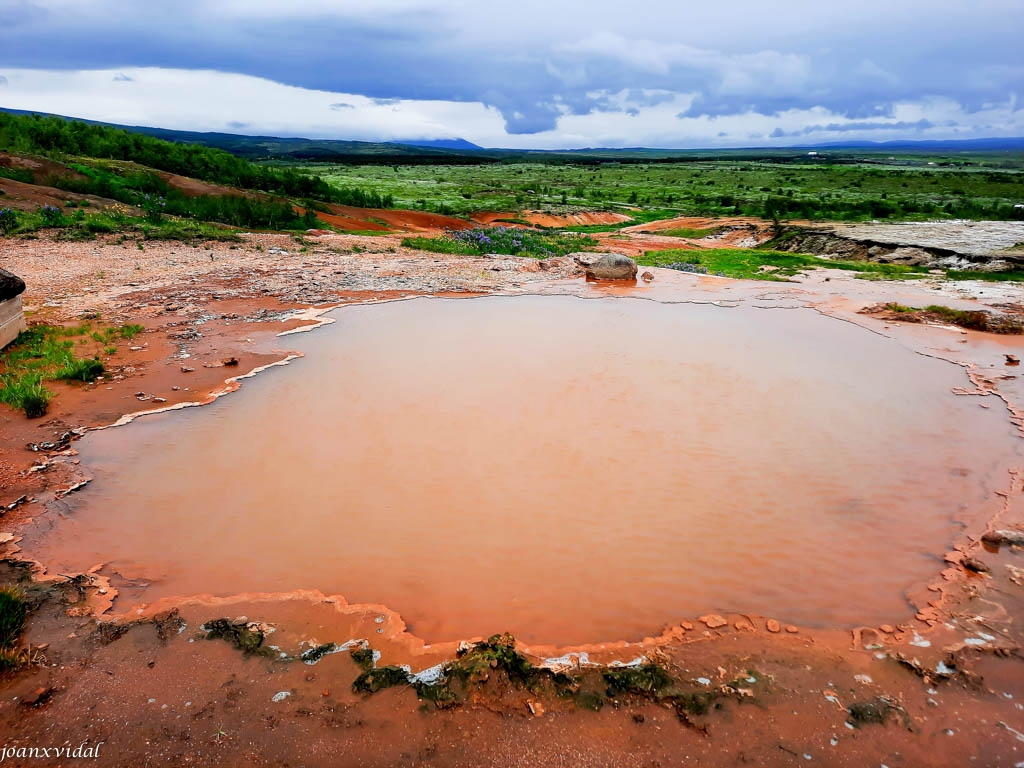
pixel 568 470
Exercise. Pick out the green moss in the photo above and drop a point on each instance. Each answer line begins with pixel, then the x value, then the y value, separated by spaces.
pixel 380 679
pixel 642 680
pixel 591 700
pixel 363 657
pixel 877 711
pixel 313 655
pixel 496 654
pixel 245 636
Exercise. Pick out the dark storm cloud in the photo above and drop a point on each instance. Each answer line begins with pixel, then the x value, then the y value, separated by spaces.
pixel 536 61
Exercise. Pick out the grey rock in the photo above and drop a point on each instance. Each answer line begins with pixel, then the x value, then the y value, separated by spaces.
pixel 606 266
pixel 10 285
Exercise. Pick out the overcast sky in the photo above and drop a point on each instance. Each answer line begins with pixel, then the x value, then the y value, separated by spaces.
pixel 558 73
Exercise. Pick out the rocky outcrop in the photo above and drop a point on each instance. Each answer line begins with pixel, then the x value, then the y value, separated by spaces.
pixel 10 285
pixel 606 266
pixel 846 245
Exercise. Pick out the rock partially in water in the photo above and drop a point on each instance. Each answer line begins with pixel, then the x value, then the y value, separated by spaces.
pixel 606 266
pixel 907 256
pixel 1007 537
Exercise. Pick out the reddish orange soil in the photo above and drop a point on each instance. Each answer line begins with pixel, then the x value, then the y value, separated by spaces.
pixel 29 197
pixel 952 679
pixel 541 219
pixel 382 219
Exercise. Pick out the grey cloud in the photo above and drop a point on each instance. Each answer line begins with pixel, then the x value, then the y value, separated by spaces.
pixel 856 126
pixel 338 106
pixel 120 77
pixel 738 57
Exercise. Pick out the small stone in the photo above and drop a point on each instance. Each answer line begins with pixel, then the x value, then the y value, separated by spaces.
pixel 686 625
pixel 187 369
pixel 229 361
pixel 325 692
pixel 792 629
pixel 974 565
pixel 38 697
pixel 887 629
pixel 713 621
pixel 1012 359
pixel 773 625
pixel 536 708
pixel 647 277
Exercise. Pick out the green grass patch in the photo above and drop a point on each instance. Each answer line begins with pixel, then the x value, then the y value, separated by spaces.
pixel 747 262
pixel 689 233
pixel 840 187
pixel 52 353
pixel 26 393
pixel 503 240
pixel 13 612
pixel 1009 276
pixel 87 226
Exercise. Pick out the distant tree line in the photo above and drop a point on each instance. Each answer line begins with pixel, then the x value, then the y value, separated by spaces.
pixel 56 137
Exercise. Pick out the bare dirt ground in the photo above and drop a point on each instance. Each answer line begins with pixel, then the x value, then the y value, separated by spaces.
pixel 943 688
pixel 553 220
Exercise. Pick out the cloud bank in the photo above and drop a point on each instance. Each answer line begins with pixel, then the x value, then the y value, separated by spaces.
pixel 525 74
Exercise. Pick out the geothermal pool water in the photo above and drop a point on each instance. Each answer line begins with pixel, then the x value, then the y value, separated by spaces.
pixel 570 470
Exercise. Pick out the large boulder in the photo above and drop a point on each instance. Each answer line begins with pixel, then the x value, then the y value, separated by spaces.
pixel 606 266
pixel 10 285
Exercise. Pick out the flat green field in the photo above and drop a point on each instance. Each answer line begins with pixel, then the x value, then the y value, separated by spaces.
pixel 790 190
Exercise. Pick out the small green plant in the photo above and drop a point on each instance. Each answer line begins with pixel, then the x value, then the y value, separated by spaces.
pixel 25 393
pixel 86 370
pixel 130 331
pixel 13 612
pixel 8 220
pixel 51 216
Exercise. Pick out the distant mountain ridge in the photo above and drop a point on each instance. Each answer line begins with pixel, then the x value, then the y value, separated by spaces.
pixel 450 150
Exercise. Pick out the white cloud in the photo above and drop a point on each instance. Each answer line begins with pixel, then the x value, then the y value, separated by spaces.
pixel 216 101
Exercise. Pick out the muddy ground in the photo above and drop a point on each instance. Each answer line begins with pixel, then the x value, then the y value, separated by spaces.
pixel 945 687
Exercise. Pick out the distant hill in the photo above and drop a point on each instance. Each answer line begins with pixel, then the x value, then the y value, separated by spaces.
pixel 261 147
pixel 462 151
pixel 440 144
pixel 1014 144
